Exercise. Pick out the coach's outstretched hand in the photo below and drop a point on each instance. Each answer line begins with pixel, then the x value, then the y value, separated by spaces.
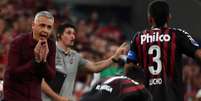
pixel 122 50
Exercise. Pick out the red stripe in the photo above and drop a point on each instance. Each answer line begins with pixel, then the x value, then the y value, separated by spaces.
pixel 126 81
pixel 172 61
pixel 165 49
pixel 132 89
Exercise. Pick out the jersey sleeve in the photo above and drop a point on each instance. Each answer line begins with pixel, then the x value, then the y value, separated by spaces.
pixel 186 43
pixel 132 56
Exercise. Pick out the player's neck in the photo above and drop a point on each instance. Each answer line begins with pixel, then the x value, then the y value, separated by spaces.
pixel 165 26
pixel 65 48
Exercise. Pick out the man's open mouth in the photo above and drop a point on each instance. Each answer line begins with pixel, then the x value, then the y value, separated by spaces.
pixel 43 35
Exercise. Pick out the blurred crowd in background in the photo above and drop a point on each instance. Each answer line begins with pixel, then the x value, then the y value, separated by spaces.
pixel 96 39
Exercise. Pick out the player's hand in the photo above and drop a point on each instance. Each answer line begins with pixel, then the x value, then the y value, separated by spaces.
pixel 122 50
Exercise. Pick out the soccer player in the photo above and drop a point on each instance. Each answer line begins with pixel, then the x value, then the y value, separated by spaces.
pixel 158 50
pixel 117 88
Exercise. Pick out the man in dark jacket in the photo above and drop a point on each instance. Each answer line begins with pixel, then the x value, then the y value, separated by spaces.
pixel 31 58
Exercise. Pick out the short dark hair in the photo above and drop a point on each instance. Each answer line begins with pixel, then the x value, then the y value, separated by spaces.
pixel 159 10
pixel 62 27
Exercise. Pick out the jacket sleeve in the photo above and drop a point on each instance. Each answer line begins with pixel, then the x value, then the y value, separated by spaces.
pixel 16 68
pixel 21 70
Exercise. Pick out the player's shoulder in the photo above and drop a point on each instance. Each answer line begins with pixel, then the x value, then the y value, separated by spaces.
pixel 125 85
pixel 180 30
pixel 117 84
pixel 183 34
pixel 120 80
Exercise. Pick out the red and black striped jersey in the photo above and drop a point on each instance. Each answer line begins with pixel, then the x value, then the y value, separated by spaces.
pixel 159 52
pixel 117 88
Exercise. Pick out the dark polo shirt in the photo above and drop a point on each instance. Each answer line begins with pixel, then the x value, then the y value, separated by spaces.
pixel 23 76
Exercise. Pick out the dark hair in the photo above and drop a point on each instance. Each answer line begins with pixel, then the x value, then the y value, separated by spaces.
pixel 62 27
pixel 159 10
